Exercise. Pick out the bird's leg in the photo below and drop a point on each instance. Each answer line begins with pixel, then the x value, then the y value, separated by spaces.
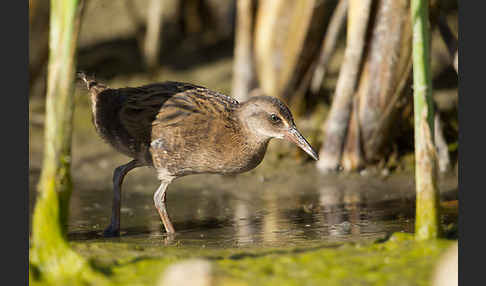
pixel 159 200
pixel 114 228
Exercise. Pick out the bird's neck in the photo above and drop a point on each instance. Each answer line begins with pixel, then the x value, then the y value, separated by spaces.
pixel 251 142
pixel 250 149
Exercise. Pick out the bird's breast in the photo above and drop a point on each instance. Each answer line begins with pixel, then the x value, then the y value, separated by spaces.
pixel 247 157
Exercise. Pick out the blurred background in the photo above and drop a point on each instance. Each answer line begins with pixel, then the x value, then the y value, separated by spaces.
pixel 293 50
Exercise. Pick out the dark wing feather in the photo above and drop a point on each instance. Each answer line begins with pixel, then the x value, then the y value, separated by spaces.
pixel 168 104
pixel 139 110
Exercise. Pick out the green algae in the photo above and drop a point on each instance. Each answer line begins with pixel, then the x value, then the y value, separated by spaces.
pixel 399 260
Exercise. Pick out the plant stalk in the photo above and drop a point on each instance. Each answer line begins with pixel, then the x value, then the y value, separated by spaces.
pixel 427 204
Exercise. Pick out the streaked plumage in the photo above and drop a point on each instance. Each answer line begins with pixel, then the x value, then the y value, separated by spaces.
pixel 181 129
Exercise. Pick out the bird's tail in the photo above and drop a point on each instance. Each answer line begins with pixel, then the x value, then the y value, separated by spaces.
pixel 91 84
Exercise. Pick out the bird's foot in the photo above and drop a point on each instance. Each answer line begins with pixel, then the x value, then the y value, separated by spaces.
pixel 111 231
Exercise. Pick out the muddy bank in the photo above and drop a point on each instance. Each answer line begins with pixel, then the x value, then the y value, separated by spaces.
pixel 398 261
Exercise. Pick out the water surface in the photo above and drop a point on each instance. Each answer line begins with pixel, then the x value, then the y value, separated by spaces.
pixel 293 207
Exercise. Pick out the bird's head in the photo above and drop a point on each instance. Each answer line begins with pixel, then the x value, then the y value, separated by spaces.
pixel 267 117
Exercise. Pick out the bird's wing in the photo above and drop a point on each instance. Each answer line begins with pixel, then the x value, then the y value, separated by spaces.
pixel 166 105
pixel 140 108
pixel 192 113
pixel 195 103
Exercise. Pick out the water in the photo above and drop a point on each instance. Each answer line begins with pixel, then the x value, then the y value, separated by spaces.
pixel 292 207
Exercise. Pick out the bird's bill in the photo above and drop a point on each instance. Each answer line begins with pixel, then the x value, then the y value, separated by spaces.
pixel 294 135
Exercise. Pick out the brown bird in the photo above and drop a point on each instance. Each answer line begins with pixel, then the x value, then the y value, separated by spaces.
pixel 182 129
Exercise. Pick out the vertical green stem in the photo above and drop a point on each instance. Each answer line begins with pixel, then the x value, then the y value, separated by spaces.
pixel 50 251
pixel 55 174
pixel 427 205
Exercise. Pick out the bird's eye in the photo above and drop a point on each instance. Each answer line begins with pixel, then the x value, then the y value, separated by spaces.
pixel 275 118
